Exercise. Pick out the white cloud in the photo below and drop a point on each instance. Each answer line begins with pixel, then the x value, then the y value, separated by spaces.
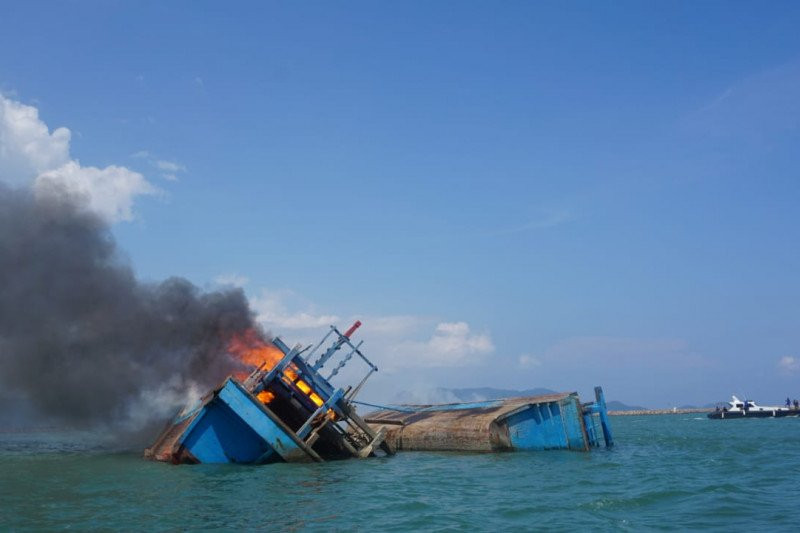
pixel 789 364
pixel 451 344
pixel 27 148
pixel 170 166
pixel 30 153
pixel 233 280
pixel 396 325
pixel 529 361
pixel 757 107
pixel 272 312
pixel 169 169
pixel 108 191
pixel 454 340
pixel 393 342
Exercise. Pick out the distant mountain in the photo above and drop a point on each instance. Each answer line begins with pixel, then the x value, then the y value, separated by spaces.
pixel 478 394
pixel 704 406
pixel 489 393
pixel 614 405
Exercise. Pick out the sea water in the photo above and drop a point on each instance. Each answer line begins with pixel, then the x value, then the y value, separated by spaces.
pixel 665 472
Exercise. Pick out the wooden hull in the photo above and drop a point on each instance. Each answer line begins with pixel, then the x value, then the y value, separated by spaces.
pixel 229 426
pixel 549 422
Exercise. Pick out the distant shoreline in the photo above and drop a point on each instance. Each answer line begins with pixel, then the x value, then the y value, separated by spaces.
pixel 659 412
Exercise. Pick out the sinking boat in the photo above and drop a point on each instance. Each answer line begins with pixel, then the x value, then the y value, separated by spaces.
pixel 737 408
pixel 285 410
pixel 547 422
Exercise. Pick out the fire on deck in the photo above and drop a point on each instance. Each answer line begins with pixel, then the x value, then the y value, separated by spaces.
pixel 285 410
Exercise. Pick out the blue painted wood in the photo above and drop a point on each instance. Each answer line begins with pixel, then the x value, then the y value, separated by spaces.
pixel 219 436
pixel 331 351
pixel 305 429
pixel 573 424
pixel 544 426
pixel 232 428
pixel 525 429
pixel 600 400
pixel 317 382
pixel 244 407
pixel 278 369
pixel 591 432
pixel 548 426
pixel 558 428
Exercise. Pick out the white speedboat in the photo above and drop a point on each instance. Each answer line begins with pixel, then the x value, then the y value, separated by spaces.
pixel 737 408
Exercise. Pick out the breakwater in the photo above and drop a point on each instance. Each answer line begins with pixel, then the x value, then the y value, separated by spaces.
pixel 673 411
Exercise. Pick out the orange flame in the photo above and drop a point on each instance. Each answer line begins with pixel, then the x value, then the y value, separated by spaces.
pixel 290 376
pixel 265 396
pixel 252 350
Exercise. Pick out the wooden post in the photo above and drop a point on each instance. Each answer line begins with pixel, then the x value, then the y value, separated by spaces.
pixel 604 423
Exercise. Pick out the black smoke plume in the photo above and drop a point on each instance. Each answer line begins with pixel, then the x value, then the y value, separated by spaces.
pixel 82 341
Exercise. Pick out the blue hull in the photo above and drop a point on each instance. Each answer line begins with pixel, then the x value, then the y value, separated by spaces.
pixel 231 426
pixel 284 411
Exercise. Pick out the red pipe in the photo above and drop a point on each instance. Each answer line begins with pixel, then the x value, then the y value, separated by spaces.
pixel 352 329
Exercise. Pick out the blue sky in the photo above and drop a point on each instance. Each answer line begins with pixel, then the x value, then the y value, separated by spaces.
pixel 511 195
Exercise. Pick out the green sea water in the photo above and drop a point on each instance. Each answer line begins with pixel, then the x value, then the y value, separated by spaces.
pixel 666 472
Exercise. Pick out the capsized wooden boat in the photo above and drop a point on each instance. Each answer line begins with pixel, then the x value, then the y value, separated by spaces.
pixel 553 421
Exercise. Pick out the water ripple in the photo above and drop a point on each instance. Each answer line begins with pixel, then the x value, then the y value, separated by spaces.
pixel 667 472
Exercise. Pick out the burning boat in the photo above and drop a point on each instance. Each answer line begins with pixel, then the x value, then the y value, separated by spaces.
pixel 285 410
